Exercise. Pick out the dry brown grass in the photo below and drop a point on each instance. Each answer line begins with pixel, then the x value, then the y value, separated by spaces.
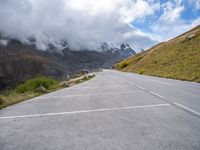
pixel 178 58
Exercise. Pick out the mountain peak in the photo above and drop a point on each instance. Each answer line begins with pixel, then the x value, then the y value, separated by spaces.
pixel 125 46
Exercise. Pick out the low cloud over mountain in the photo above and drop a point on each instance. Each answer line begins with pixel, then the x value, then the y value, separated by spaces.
pixel 83 24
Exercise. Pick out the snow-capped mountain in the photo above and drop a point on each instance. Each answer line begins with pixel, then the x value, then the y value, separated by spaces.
pixel 21 60
pixel 124 51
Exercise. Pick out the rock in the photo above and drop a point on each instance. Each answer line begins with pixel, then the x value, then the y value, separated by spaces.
pixel 189 37
pixel 41 89
pixel 64 84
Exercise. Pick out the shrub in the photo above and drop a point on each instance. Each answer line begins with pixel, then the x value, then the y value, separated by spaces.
pixel 35 83
pixel 124 65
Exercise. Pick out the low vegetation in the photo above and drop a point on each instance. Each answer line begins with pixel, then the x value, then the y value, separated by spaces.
pixel 36 83
pixel 178 58
pixel 36 87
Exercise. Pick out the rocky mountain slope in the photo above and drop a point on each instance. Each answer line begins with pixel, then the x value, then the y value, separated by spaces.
pixel 19 62
pixel 178 58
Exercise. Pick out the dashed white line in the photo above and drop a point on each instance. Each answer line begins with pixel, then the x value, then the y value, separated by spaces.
pixel 84 111
pixel 145 90
pixel 180 106
pixel 187 109
pixel 140 87
pixel 153 93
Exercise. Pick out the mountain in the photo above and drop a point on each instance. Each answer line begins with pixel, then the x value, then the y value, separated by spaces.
pixel 178 58
pixel 124 51
pixel 19 62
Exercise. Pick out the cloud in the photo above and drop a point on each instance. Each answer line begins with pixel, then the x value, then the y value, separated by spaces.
pixel 139 40
pixel 3 42
pixel 82 23
pixel 171 23
pixel 171 11
pixel 195 3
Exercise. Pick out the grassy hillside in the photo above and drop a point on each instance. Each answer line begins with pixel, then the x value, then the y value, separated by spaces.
pixel 178 58
pixel 36 87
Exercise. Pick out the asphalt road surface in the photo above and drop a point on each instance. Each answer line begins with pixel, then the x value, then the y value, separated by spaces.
pixel 113 111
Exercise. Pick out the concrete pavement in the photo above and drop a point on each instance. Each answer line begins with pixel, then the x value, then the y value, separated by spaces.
pixel 113 111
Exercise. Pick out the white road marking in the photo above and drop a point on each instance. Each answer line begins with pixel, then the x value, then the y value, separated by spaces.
pixel 78 95
pixel 187 109
pixel 145 90
pixel 140 87
pixel 150 79
pixel 85 111
pixel 153 93
pixel 79 88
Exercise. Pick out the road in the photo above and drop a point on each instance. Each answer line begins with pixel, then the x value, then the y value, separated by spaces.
pixel 113 111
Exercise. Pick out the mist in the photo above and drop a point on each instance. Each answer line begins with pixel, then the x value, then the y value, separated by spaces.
pixel 83 24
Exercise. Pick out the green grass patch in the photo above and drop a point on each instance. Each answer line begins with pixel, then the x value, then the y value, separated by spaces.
pixel 36 87
pixel 36 83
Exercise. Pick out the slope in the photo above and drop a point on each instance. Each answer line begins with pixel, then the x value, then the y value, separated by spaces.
pixel 19 62
pixel 178 58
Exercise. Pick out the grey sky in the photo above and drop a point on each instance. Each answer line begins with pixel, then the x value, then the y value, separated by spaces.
pixel 82 23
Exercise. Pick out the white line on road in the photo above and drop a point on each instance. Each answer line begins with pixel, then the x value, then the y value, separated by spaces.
pixel 145 90
pixel 84 111
pixel 153 93
pixel 111 93
pixel 111 86
pixel 187 109
pixel 150 78
pixel 140 87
